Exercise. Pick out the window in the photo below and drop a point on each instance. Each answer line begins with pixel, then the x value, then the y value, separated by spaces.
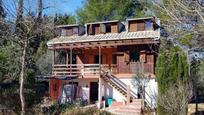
pixel 148 25
pixel 108 28
pixel 69 32
pixel 134 56
pixel 75 30
pixel 114 59
pixel 63 32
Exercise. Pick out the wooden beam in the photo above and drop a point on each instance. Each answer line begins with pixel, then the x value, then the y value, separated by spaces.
pixel 107 43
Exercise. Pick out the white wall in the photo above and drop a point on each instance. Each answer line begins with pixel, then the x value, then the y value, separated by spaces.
pixel 109 91
pixel 85 85
pixel 151 93
pixel 151 89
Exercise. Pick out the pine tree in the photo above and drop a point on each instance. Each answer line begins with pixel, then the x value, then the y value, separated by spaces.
pixel 2 13
pixel 171 67
pixel 103 10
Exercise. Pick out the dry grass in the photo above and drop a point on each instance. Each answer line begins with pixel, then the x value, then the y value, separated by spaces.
pixel 191 108
pixel 85 111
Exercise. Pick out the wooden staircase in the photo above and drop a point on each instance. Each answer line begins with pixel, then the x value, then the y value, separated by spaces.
pixel 117 84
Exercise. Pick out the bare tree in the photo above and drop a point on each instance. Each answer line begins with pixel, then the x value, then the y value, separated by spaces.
pixel 140 81
pixel 40 8
pixel 175 99
pixel 182 19
pixel 19 29
pixel 27 30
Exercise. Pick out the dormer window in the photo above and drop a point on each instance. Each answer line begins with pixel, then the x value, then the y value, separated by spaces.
pixel 140 24
pixel 70 30
pixel 104 27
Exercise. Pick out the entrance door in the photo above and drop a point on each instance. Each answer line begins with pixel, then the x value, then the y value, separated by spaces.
pixel 123 67
pixel 93 91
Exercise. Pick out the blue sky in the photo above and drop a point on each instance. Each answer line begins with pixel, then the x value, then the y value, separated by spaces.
pixel 52 6
pixel 67 6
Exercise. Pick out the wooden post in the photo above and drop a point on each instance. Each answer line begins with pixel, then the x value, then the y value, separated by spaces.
pixel 99 82
pixel 99 55
pixel 67 57
pixel 128 94
pixel 70 61
pixel 53 57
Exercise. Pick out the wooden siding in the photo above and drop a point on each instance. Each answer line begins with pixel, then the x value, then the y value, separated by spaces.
pixel 114 28
pixel 140 25
pixel 119 57
pixel 132 26
pixel 54 89
pixel 97 29
pixel 136 25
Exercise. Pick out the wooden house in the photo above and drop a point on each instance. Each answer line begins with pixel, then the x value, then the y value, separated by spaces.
pixel 98 60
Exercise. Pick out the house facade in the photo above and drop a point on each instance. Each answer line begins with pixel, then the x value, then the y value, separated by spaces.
pixel 97 61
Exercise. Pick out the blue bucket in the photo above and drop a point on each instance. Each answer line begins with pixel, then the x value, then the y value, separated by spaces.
pixel 110 101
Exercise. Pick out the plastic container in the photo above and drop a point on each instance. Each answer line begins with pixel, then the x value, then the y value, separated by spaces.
pixel 110 101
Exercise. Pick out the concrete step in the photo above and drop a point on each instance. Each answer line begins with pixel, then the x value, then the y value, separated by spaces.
pixel 116 104
pixel 127 112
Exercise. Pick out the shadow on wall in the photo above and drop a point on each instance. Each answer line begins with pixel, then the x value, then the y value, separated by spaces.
pixel 108 91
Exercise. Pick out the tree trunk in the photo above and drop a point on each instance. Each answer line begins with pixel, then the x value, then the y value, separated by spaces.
pixel 22 79
pixel 19 12
pixel 40 8
pixel 1 10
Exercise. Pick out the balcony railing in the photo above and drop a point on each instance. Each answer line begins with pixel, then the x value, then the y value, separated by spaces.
pixel 94 69
pixel 80 69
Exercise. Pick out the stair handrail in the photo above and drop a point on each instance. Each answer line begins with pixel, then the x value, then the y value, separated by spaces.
pixel 119 82
pixel 106 74
pixel 149 103
pixel 131 91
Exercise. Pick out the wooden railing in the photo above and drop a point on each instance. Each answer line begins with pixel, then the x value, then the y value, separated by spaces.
pixel 137 67
pixel 81 69
pixel 94 69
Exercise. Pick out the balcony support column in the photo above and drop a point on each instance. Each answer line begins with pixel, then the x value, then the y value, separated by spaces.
pixel 53 57
pixel 70 61
pixel 100 80
pixel 67 57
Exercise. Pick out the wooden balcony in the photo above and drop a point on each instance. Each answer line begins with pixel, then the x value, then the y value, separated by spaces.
pixel 94 69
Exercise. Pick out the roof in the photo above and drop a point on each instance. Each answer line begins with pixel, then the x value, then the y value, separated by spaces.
pixel 105 37
pixel 112 21
pixel 145 18
pixel 70 25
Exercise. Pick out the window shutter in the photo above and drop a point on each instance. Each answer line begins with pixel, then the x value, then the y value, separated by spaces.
pixel 81 30
pixel 140 25
pixel 103 28
pixel 127 56
pixel 143 56
pixel 91 30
